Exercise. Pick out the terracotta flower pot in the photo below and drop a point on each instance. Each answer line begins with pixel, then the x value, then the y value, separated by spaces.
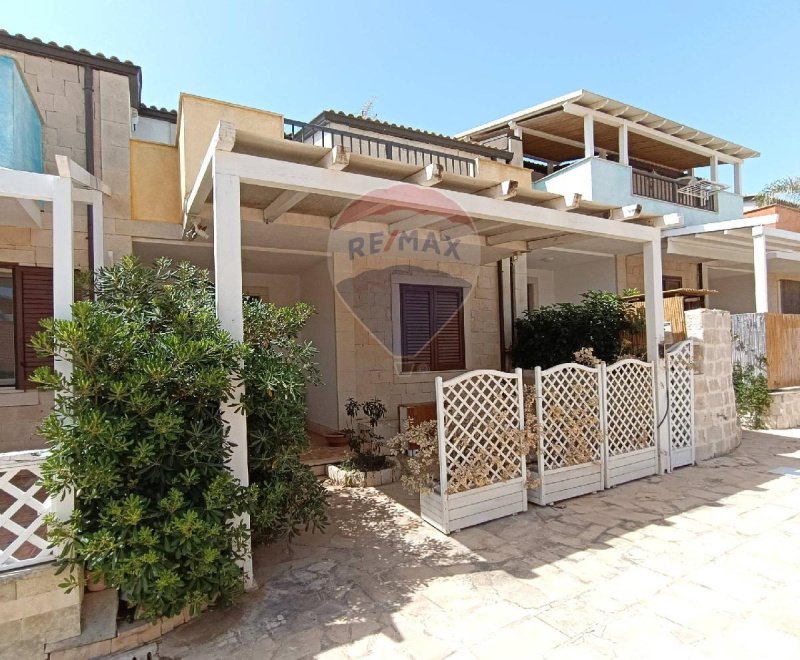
pixel 94 582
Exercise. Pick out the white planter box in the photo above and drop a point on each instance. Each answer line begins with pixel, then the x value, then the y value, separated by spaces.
pixel 473 507
pixel 567 482
pixel 630 466
pixel 342 477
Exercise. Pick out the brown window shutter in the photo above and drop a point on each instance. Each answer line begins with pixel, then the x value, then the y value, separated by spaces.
pixel 790 297
pixel 416 323
pixel 448 343
pixel 33 293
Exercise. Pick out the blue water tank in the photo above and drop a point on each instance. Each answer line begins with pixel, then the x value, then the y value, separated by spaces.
pixel 20 121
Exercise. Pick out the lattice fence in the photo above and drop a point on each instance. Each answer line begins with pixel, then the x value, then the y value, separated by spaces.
pixel 629 407
pixel 680 392
pixel 569 415
pixel 476 408
pixel 23 506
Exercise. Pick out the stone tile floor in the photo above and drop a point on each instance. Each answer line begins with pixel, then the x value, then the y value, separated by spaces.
pixel 701 563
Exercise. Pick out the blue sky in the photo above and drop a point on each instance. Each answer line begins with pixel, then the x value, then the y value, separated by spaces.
pixel 728 68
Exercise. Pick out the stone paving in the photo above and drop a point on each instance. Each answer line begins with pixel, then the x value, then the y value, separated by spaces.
pixel 701 563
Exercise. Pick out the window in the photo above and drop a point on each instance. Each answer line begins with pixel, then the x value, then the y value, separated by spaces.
pixel 26 297
pixel 671 282
pixel 790 297
pixel 431 327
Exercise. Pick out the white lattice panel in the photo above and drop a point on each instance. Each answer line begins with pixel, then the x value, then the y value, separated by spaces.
pixel 629 407
pixel 23 506
pixel 474 410
pixel 680 391
pixel 570 423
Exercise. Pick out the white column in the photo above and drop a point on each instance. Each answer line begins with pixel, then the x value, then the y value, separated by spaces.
pixel 588 136
pixel 760 270
pixel 97 228
pixel 623 144
pixel 714 165
pixel 737 178
pixel 654 310
pixel 228 288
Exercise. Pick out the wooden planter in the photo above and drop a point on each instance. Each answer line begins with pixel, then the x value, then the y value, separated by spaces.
pixel 455 512
pixel 566 482
pixel 352 478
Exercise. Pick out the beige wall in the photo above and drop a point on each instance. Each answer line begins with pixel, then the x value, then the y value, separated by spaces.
pixel 197 120
pixel 684 269
pixel 155 182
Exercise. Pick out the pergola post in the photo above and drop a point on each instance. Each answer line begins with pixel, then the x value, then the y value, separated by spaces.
pixel 623 144
pixel 714 168
pixel 654 319
pixel 588 136
pixel 98 245
pixel 228 297
pixel 761 279
pixel 737 178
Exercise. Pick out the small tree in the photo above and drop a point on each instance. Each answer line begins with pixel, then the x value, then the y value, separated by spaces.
pixel 785 190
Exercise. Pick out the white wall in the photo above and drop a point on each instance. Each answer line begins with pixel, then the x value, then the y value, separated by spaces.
pixel 736 292
pixel 317 290
pixel 153 130
pixel 570 283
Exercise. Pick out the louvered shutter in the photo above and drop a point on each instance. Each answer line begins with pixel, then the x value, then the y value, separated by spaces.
pixel 33 291
pixel 416 325
pixel 448 342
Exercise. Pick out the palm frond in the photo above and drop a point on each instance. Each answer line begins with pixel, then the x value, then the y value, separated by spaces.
pixel 785 190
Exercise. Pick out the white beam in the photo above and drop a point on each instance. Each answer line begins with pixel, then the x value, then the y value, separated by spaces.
pixel 255 170
pixel 503 190
pixel 223 139
pixel 623 144
pixel 588 136
pixel 228 295
pixel 567 202
pixel 760 276
pixel 554 241
pixel 26 185
pixel 527 234
pixel 32 210
pixel 430 175
pixel 691 248
pixel 661 136
pixel 336 159
pixel 552 138
pixel 628 212
pixel 741 223
pixel 714 168
pixel 70 169
pixel 284 202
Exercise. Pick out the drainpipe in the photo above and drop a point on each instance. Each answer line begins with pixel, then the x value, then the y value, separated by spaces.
pixel 88 113
pixel 502 313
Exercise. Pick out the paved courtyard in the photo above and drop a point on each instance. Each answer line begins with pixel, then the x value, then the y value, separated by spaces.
pixel 702 563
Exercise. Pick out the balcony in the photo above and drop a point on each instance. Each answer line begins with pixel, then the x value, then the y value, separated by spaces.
pixel 369 145
pixel 655 186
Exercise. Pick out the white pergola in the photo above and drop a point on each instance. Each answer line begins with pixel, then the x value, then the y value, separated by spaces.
pixel 747 244
pixel 223 171
pixel 71 185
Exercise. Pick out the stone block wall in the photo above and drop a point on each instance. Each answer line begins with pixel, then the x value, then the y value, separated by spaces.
pixel 717 428
pixel 35 611
pixel 784 411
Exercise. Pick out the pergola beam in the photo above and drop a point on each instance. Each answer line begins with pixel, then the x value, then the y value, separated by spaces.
pixel 623 213
pixel 69 169
pixel 503 190
pixel 223 139
pixel 283 203
pixel 568 202
pixel 430 175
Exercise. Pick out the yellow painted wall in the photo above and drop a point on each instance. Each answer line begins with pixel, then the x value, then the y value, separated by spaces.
pixel 197 120
pixel 155 182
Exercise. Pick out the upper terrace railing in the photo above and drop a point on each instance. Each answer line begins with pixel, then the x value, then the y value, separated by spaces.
pixel 367 145
pixel 655 186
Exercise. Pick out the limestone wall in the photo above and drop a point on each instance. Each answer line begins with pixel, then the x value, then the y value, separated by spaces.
pixel 35 611
pixel 784 411
pixel 716 426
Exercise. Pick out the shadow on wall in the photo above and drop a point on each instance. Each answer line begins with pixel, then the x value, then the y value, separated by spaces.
pixel 376 572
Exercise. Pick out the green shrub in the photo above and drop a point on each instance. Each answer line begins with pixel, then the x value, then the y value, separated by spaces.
pixel 285 493
pixel 552 335
pixel 752 396
pixel 136 433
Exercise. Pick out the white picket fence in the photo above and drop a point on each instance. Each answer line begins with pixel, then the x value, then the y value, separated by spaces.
pixel 24 504
pixel 471 412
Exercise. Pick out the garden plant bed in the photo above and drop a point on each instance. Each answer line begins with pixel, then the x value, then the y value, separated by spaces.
pixel 342 476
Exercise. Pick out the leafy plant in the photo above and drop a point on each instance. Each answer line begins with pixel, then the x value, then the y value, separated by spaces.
pixel 137 434
pixel 286 496
pixel 752 395
pixel 551 335
pixel 365 443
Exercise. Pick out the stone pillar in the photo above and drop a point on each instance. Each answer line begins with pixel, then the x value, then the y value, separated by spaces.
pixel 716 425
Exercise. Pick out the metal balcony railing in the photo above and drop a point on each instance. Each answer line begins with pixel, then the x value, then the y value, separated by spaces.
pixel 655 186
pixel 367 145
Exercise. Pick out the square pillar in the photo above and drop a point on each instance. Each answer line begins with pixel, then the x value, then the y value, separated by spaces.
pixel 760 276
pixel 714 168
pixel 623 144
pixel 98 249
pixel 228 294
pixel 737 178
pixel 654 310
pixel 588 136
